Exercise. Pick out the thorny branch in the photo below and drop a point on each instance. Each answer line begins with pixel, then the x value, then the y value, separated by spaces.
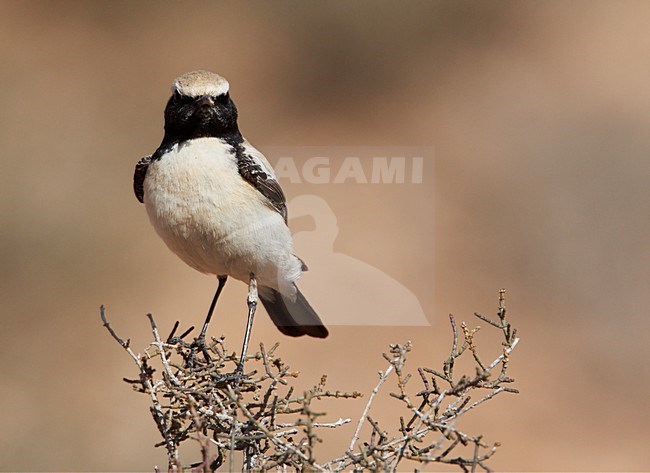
pixel 261 419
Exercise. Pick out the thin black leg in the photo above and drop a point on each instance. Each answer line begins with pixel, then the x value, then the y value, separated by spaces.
pixel 222 283
pixel 252 304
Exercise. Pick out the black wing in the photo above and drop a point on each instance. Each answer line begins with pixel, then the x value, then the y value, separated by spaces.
pixel 138 177
pixel 253 173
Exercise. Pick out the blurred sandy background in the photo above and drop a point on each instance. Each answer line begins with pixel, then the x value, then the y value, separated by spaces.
pixel 539 115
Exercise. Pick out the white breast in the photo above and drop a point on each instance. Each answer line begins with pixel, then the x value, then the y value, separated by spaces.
pixel 214 220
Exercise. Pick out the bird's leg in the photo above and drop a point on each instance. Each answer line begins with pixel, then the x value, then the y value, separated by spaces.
pixel 200 341
pixel 222 283
pixel 252 304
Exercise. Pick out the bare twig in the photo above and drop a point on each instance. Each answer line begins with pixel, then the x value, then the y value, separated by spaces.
pixel 260 418
pixel 383 375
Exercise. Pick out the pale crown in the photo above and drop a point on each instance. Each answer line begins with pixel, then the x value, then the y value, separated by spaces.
pixel 197 83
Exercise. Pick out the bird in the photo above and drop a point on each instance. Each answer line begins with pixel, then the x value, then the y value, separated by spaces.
pixel 216 203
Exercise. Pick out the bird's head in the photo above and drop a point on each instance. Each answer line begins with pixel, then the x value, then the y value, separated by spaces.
pixel 200 106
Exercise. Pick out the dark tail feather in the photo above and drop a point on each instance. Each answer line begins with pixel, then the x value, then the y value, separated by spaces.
pixel 292 318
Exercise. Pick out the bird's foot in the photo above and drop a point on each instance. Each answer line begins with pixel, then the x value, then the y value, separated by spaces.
pixel 174 339
pixel 199 345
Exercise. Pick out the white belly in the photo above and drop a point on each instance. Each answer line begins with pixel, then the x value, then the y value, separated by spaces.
pixel 214 220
